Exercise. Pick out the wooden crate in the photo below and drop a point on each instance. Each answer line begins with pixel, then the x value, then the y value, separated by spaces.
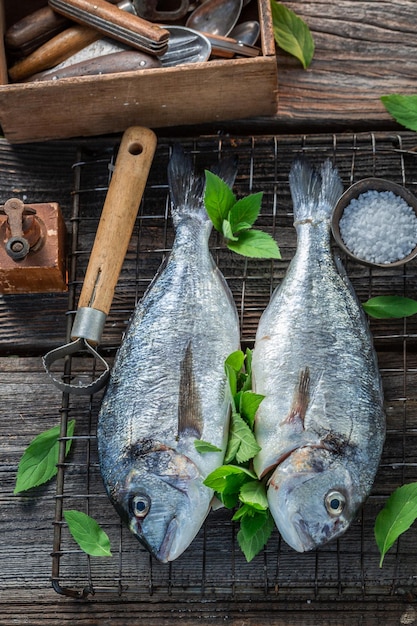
pixel 197 93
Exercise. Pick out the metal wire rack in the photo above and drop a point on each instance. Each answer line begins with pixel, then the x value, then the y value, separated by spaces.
pixel 213 567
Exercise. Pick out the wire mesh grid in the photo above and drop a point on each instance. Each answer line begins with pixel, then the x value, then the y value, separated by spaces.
pixel 213 567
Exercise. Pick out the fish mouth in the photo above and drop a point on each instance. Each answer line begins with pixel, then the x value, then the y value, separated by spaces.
pixel 164 553
pixel 298 537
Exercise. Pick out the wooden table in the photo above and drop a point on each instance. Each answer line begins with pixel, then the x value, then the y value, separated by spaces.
pixel 363 50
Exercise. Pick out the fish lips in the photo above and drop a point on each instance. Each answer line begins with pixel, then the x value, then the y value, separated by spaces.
pixel 297 494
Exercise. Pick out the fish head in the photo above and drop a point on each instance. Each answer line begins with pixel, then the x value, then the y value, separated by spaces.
pixel 312 498
pixel 163 501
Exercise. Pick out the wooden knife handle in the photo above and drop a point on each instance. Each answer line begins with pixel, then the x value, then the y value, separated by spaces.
pixel 53 52
pixel 109 19
pixel 120 208
pixel 33 30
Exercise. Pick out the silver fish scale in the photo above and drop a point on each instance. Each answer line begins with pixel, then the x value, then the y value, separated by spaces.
pixel 315 324
pixel 175 346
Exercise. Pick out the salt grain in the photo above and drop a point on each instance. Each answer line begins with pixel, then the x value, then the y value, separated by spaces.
pixel 379 227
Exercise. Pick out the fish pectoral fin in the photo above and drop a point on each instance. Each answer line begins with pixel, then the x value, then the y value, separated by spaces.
pixel 189 403
pixel 300 401
pixel 216 504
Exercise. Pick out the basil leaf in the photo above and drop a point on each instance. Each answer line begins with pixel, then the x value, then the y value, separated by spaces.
pixel 402 108
pixel 242 444
pixel 246 211
pixel 396 517
pixel 218 199
pixel 255 530
pixel 39 461
pixel 87 533
pixel 255 244
pixel 384 307
pixel 204 446
pixel 292 34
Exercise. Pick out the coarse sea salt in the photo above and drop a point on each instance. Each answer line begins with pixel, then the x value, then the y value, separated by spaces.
pixel 379 227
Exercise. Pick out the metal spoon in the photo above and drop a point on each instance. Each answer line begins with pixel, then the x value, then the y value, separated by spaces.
pixel 246 32
pixel 217 17
pixel 185 45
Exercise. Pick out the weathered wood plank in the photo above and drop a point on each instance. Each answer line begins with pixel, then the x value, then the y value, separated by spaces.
pixel 363 50
pixel 43 609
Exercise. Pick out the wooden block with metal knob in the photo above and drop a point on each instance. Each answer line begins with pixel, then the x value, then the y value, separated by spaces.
pixel 32 248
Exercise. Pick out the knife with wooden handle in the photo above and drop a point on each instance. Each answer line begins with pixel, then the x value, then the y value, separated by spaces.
pixel 33 30
pixel 108 19
pixel 77 37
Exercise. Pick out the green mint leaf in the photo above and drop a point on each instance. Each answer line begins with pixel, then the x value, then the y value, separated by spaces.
pixel 384 307
pixel 243 510
pixel 232 379
pixel 402 108
pixel 241 226
pixel 248 405
pixel 255 530
pixel 230 500
pixel 226 475
pixel 242 444
pixel 253 493
pixel 204 446
pixel 255 244
pixel 396 517
pixel 245 211
pixel 233 365
pixel 292 34
pixel 236 360
pixel 87 533
pixel 230 494
pixel 39 461
pixel 247 381
pixel 227 231
pixel 218 199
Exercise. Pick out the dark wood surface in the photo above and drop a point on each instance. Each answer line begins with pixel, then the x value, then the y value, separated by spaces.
pixel 211 582
pixel 363 50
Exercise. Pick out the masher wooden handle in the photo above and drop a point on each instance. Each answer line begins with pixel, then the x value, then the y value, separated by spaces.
pixel 120 208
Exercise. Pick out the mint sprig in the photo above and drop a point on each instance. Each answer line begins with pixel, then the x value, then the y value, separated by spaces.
pixel 234 220
pixel 235 483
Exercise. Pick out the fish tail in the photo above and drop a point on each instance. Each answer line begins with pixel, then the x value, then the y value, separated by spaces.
pixel 314 191
pixel 187 187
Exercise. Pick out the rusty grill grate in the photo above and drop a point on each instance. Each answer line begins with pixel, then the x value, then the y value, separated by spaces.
pixel 213 567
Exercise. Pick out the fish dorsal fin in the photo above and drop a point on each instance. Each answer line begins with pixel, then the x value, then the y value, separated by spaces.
pixel 189 404
pixel 300 400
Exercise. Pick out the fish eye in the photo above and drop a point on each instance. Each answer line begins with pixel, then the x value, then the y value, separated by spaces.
pixel 335 503
pixel 141 506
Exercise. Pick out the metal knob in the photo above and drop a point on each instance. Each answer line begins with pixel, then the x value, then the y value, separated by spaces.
pixel 18 245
